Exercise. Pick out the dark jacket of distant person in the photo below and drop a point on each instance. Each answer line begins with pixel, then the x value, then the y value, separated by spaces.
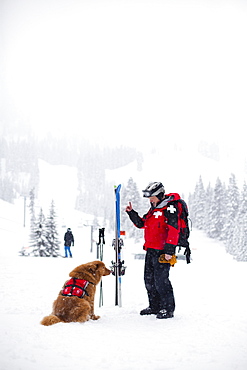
pixel 68 238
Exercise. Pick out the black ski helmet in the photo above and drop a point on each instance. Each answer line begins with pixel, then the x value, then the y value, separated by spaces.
pixel 154 189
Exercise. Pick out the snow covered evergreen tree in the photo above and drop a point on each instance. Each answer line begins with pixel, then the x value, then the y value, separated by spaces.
pixel 51 234
pixel 39 240
pixel 31 204
pixel 232 209
pixel 208 201
pixel 32 215
pixel 216 211
pixel 239 238
pixel 225 214
pixel 199 205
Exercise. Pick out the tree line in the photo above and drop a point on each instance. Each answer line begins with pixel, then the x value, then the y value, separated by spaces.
pixel 221 212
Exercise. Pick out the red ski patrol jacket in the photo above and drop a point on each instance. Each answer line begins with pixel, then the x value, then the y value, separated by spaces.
pixel 161 224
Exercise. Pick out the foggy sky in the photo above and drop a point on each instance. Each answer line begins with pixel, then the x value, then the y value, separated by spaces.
pixel 136 72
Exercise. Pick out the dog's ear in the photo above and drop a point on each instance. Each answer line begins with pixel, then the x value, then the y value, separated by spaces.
pixel 88 271
pixel 85 271
pixel 94 266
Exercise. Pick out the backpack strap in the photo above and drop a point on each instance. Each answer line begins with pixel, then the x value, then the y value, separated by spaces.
pixel 184 224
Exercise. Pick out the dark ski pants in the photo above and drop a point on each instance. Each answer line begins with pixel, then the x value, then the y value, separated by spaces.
pixel 158 285
pixel 67 250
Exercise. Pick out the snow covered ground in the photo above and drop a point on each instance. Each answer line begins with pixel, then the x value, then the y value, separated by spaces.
pixel 209 330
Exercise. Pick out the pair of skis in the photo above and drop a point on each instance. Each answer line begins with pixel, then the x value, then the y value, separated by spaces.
pixel 118 268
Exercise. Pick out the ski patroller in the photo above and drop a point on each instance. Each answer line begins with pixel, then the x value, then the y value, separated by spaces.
pixel 118 269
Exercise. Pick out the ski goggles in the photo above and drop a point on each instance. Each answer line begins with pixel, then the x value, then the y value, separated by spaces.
pixel 146 193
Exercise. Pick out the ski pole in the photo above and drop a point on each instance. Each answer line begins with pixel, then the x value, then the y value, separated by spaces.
pixel 100 255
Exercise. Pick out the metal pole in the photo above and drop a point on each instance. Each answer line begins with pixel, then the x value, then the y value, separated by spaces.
pixel 91 239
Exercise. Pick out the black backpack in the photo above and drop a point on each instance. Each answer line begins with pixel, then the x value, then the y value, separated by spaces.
pixel 184 229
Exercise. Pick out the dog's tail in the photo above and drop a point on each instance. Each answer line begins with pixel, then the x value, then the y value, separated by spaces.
pixel 50 320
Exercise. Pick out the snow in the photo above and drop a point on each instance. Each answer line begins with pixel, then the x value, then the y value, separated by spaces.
pixel 209 330
pixel 181 100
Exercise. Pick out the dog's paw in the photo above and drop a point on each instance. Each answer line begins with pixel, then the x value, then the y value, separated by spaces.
pixel 94 317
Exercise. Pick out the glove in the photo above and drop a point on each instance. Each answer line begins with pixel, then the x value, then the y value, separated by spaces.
pixel 172 261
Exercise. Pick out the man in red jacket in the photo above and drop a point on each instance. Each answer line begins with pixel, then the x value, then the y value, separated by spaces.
pixel 161 232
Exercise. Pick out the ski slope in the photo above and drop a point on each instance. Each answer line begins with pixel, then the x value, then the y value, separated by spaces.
pixel 208 332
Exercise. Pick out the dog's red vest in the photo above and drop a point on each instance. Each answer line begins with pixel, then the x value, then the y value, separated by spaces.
pixel 75 288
